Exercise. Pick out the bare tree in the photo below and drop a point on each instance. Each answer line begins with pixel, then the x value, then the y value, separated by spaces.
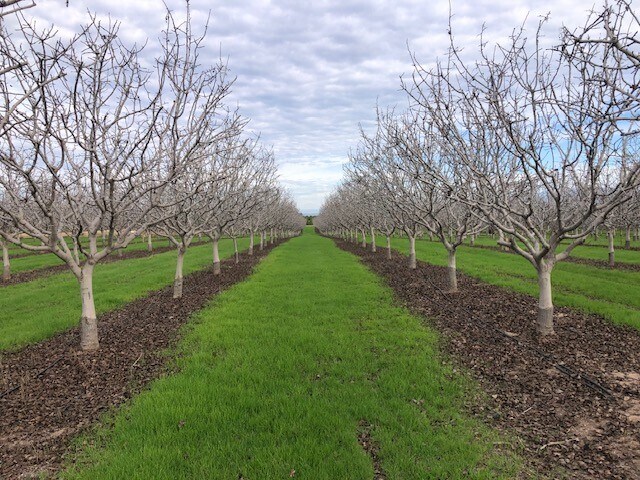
pixel 534 139
pixel 84 155
pixel 233 200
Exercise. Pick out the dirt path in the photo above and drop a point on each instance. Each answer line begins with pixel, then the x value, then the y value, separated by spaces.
pixel 562 421
pixel 63 391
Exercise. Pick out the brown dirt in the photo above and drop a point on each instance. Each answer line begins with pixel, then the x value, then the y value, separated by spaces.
pixel 565 425
pixel 63 391
pixel 29 275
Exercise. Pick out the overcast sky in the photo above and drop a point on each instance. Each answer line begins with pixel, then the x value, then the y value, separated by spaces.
pixel 309 73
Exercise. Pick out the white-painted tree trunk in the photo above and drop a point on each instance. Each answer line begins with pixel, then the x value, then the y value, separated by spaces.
pixel 612 248
pixel 627 238
pixel 179 280
pixel 6 264
pixel 452 272
pixel 149 243
pixel 216 257
pixel 545 300
pixel 389 247
pixel 88 321
pixel 262 235
pixel 364 238
pixel 373 240
pixel 501 239
pixel 271 239
pixel 251 241
pixel 412 252
pixel 235 250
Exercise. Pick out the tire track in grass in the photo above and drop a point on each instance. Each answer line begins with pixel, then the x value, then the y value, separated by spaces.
pixel 306 370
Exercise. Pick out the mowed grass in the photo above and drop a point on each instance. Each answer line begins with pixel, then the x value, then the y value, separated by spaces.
pixel 614 294
pixel 277 376
pixel 36 310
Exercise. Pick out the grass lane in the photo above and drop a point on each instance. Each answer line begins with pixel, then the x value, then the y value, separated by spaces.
pixel 588 251
pixel 33 311
pixel 278 373
pixel 614 294
pixel 29 260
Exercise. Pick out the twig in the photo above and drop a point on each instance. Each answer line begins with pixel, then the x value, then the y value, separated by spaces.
pixel 136 362
pixel 560 442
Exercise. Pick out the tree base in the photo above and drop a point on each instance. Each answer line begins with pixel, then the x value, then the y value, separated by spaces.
pixel 89 334
pixel 545 322
pixel 177 288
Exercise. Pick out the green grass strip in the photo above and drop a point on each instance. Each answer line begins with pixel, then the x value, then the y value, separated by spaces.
pixel 588 251
pixel 33 311
pixel 614 294
pixel 33 261
pixel 276 375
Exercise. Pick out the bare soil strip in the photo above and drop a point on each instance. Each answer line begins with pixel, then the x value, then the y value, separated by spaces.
pixel 563 423
pixel 64 391
pixel 28 276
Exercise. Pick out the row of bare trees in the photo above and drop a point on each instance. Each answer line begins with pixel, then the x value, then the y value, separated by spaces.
pixel 537 144
pixel 99 144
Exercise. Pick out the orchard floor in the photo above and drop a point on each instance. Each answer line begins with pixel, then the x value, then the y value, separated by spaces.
pixel 541 390
pixel 307 369
pixel 61 391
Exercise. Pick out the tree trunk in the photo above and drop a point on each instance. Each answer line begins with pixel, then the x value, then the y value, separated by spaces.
pixel 612 248
pixel 627 238
pixel 545 300
pixel 6 265
pixel 373 240
pixel 178 280
pixel 364 238
pixel 472 240
pixel 271 239
pixel 389 247
pixel 88 321
pixel 216 257
pixel 236 254
pixel 451 272
pixel 501 239
pixel 149 243
pixel 412 252
pixel 262 235
pixel 251 244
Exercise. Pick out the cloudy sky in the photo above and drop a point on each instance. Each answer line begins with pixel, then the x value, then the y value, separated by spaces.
pixel 310 73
